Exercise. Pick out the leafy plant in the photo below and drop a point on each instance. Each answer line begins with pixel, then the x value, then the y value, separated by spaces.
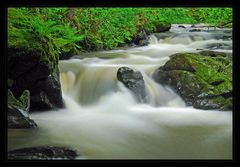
pixel 214 16
pixel 33 31
pixel 52 31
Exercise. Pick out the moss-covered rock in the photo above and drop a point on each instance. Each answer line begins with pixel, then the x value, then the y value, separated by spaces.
pixel 28 70
pixel 202 79
pixel 163 26
pixel 18 111
pixel 22 102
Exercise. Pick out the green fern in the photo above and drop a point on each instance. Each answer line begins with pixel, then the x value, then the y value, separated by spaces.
pixel 32 31
pixel 51 31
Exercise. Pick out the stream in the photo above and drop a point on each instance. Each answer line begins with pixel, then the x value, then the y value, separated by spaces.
pixel 103 120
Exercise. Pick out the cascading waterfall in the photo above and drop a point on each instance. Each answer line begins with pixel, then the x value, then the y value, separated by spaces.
pixel 97 79
pixel 103 120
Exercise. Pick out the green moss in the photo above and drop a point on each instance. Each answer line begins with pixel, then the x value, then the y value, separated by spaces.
pixel 12 100
pixel 201 79
pixel 25 98
pixel 193 82
pixel 180 62
pixel 22 102
pixel 200 68
pixel 209 69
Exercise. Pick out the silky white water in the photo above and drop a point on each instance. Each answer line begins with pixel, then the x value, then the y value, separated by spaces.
pixel 103 120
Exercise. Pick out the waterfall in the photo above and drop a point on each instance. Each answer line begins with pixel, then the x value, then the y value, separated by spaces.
pixel 103 120
pixel 95 80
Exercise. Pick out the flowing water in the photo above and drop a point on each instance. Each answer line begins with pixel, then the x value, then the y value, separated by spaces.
pixel 102 119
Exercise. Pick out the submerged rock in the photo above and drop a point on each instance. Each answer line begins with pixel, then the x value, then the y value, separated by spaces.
pixel 195 30
pixel 133 80
pixel 181 26
pixel 202 79
pixel 43 153
pixel 18 117
pixel 28 71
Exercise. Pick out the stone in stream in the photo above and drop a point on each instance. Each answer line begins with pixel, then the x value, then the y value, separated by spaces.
pixel 133 80
pixel 18 117
pixel 162 27
pixel 140 40
pixel 195 30
pixel 203 80
pixel 43 153
pixel 27 70
pixel 181 26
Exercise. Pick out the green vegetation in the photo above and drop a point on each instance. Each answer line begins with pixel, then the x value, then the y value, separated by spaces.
pixel 22 102
pixel 52 31
pixel 212 70
pixel 204 78
pixel 31 29
pixel 214 16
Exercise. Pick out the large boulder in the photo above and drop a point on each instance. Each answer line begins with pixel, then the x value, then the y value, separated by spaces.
pixel 43 153
pixel 27 70
pixel 133 80
pixel 162 27
pixel 47 94
pixel 18 111
pixel 203 80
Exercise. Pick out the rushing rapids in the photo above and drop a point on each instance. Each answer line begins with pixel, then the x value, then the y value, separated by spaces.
pixel 102 118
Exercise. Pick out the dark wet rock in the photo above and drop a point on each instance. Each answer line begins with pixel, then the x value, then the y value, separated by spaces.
pixel 18 111
pixel 10 83
pixel 47 94
pixel 162 27
pixel 143 42
pixel 133 80
pixel 65 55
pixel 202 79
pixel 29 79
pixel 17 120
pixel 21 62
pixel 140 40
pixel 27 70
pixel 43 153
pixel 181 26
pixel 195 30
